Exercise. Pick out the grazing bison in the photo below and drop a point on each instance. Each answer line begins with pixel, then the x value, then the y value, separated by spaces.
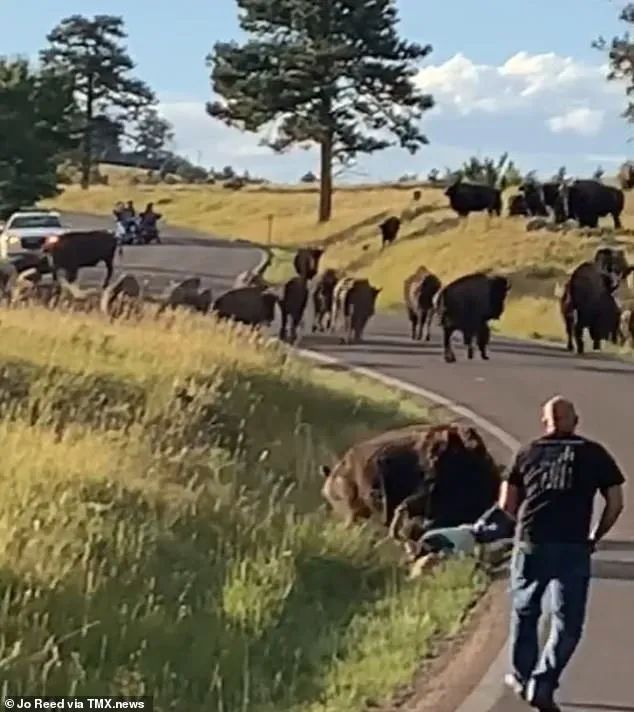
pixel 414 479
pixel 465 198
pixel 292 306
pixel 306 262
pixel 354 299
pixel 588 302
pixel 71 251
pixel 467 305
pixel 323 299
pixel 389 230
pixel 588 200
pixel 186 294
pixel 419 292
pixel 518 206
pixel 540 197
pixel 247 305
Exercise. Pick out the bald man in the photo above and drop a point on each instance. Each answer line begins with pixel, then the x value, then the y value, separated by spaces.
pixel 550 489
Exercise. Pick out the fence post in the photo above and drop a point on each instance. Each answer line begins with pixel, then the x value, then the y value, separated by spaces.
pixel 270 234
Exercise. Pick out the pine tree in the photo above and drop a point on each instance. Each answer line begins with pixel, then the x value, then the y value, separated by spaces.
pixel 37 115
pixel 91 52
pixel 152 135
pixel 328 72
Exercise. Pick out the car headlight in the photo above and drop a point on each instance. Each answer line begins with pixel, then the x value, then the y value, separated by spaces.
pixel 52 239
pixel 14 239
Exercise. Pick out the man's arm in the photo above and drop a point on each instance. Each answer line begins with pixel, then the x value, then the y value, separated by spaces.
pixel 611 512
pixel 512 488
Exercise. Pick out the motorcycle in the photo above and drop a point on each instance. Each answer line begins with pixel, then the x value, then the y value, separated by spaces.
pixel 127 232
pixel 148 234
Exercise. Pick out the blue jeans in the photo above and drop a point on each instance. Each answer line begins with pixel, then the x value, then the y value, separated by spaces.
pixel 564 569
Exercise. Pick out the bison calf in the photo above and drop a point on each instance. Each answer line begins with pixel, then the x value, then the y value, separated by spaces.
pixel 389 230
pixel 323 299
pixel 355 300
pixel 419 292
pixel 292 306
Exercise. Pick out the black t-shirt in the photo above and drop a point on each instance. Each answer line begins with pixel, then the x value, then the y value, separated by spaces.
pixel 558 478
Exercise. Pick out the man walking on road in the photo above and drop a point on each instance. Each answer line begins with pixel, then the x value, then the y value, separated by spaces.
pixel 550 489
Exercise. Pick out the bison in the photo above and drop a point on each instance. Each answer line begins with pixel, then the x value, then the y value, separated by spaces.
pixel 355 299
pixel 467 305
pixel 389 230
pixel 306 262
pixel 518 206
pixel 71 251
pixel 587 302
pixel 588 200
pixel 626 176
pixel 419 292
pixel 186 294
pixel 465 198
pixel 540 197
pixel 247 305
pixel 613 265
pixel 250 278
pixel 323 299
pixel 414 479
pixel 292 306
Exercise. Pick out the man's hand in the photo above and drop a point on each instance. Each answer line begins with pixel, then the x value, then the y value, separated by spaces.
pixel 611 512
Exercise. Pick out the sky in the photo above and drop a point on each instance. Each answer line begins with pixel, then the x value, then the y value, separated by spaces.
pixel 508 76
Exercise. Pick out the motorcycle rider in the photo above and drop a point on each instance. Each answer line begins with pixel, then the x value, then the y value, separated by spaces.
pixel 147 221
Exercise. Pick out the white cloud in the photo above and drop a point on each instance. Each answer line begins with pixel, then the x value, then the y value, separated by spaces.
pixel 547 110
pixel 583 121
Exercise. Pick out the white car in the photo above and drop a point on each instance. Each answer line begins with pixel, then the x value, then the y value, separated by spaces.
pixel 27 231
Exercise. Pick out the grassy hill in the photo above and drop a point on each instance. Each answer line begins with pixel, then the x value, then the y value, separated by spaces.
pixel 536 261
pixel 163 531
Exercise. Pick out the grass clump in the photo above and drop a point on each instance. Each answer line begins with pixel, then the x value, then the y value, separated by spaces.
pixel 163 532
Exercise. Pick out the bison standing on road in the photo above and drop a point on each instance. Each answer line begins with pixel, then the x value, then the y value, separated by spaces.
pixel 467 305
pixel 323 299
pixel 306 262
pixel 415 479
pixel 389 230
pixel 588 299
pixel 247 305
pixel 292 306
pixel 71 251
pixel 419 292
pixel 466 198
pixel 588 200
pixel 354 299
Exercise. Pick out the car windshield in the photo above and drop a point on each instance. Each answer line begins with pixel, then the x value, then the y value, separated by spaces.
pixel 29 221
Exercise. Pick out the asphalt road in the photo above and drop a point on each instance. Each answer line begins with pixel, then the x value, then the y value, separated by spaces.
pixel 507 390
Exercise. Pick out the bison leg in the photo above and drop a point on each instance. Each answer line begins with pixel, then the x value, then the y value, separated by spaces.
pixel 450 356
pixel 109 271
pixel 71 274
pixel 467 338
pixel 617 220
pixel 484 335
pixel 428 320
pixel 578 331
pixel 283 325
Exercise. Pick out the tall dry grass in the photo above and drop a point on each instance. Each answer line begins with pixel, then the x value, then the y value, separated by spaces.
pixel 163 532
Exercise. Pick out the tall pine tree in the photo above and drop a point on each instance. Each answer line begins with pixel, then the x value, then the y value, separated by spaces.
pixel 621 59
pixel 91 52
pixel 328 72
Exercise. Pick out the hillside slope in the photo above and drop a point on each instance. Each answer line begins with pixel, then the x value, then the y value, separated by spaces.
pixel 163 531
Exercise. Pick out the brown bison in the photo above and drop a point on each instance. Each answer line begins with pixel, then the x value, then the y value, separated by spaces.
pixel 323 299
pixel 71 251
pixel 355 300
pixel 419 292
pixel 186 294
pixel 588 303
pixel 292 306
pixel 467 305
pixel 247 305
pixel 389 230
pixel 306 262
pixel 415 479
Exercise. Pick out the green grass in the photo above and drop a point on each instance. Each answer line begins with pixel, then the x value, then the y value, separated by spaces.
pixel 163 531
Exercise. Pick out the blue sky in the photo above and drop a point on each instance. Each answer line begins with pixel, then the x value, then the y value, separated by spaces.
pixel 504 77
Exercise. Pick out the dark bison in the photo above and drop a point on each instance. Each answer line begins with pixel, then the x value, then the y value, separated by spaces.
pixel 414 479
pixel 540 197
pixel 247 305
pixel 71 251
pixel 467 305
pixel 323 299
pixel 588 302
pixel 517 205
pixel 389 230
pixel 466 198
pixel 292 306
pixel 306 262
pixel 588 200
pixel 354 299
pixel 419 292
pixel 186 294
